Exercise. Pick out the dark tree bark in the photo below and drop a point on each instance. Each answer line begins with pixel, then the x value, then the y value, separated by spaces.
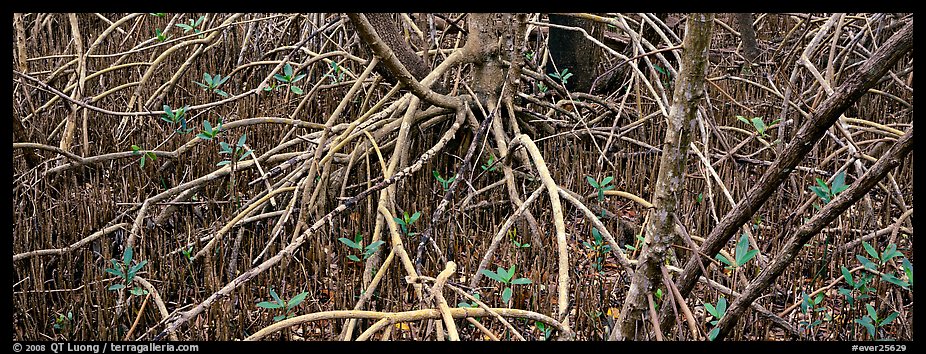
pixel 389 32
pixel 749 47
pixel 689 90
pixel 571 50
pixel 862 79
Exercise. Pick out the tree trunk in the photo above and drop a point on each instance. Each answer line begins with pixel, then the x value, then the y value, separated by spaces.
pixel 689 90
pixel 749 47
pixel 571 50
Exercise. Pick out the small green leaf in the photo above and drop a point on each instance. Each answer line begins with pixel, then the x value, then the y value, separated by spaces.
pixel 820 193
pixel 276 297
pixel 871 250
pixel 492 275
pixel 871 312
pixel 847 275
pixel 721 306
pixel 759 124
pixel 889 319
pixel 349 243
pixel 414 217
pixel 713 333
pixel 866 262
pixel 298 77
pixel 866 322
pixel 890 278
pixel 521 281
pixel 375 245
pixel 280 78
pixel 296 89
pixel 116 287
pixel 890 252
pixel 506 294
pixel 115 272
pixel 839 182
pixel 138 291
pixel 288 70
pixel 135 269
pixel 242 140
pixel 296 300
pixel 723 259
pixel 711 310
pixel 503 274
pixel 592 182
pixel 606 180
pixel 353 258
pixel 279 318
pixel 127 255
pixel 908 269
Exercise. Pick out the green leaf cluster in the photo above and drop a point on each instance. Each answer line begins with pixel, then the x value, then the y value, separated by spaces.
pixel 742 254
pixel 599 247
pixel 126 270
pixel 177 116
pixel 238 152
pixel 505 276
pixel 602 186
pixel 445 183
pixel 490 164
pixel 879 259
pixel 211 83
pixel 472 304
pixel 872 323
pixel 859 286
pixel 809 305
pixel 546 330
pixel 62 321
pixel 827 193
pixel 758 124
pixel 563 76
pixel 287 307
pixel 405 222
pixel 357 244
pixel 288 78
pixel 336 74
pixel 717 312
pixel 136 150
pixel 208 132
pixel 160 36
pixel 192 25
